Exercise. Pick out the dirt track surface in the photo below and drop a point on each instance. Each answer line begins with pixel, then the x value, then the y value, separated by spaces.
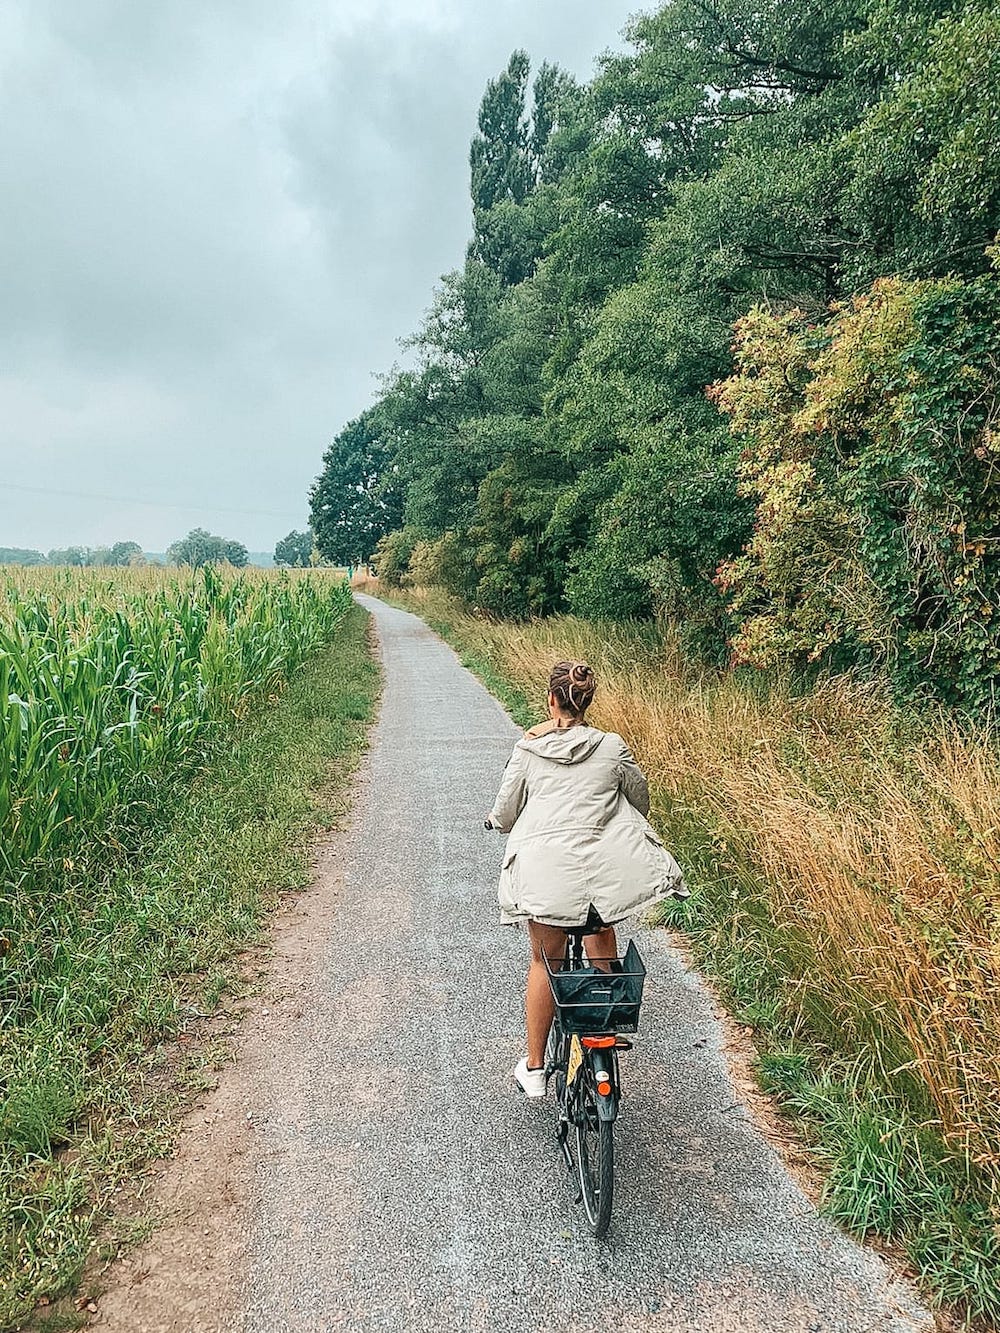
pixel 368 1165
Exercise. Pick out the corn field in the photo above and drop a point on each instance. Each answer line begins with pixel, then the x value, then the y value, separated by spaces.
pixel 121 696
pixel 107 686
pixel 112 690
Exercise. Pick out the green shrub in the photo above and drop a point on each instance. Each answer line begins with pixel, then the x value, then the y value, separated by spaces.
pixel 392 556
pixel 870 446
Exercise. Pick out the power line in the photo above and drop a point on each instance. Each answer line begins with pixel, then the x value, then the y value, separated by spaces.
pixel 153 504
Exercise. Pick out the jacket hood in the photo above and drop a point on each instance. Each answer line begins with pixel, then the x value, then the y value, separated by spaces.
pixel 565 745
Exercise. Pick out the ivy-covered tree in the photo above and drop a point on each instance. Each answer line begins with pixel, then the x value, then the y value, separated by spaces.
pixel 870 451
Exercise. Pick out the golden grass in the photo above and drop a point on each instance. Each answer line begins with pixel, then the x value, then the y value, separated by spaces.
pixel 875 854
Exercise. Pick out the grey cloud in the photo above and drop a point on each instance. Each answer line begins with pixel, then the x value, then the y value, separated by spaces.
pixel 220 220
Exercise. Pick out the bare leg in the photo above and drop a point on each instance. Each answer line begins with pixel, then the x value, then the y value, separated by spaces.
pixel 601 947
pixel 538 1005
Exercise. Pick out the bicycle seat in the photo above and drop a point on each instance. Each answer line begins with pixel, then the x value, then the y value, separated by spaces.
pixel 592 926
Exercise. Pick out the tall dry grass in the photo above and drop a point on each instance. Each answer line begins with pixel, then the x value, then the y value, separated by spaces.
pixel 874 852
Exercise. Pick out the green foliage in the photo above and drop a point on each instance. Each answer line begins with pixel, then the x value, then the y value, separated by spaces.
pixel 870 450
pixel 354 501
pixel 442 562
pixel 201 548
pixel 130 553
pixel 926 163
pixel 501 168
pixel 555 432
pixel 110 961
pixel 391 558
pixel 642 560
pixel 513 163
pixel 295 549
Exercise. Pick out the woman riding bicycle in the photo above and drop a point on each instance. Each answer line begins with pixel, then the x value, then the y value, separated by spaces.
pixel 580 851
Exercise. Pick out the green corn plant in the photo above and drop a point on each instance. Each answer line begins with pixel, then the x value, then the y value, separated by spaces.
pixel 111 688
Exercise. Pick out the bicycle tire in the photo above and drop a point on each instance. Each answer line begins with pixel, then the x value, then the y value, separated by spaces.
pixel 595 1139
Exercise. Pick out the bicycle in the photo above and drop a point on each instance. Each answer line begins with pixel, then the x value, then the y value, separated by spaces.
pixel 593 1005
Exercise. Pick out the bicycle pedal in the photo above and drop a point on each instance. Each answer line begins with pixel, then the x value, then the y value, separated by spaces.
pixel 623 1044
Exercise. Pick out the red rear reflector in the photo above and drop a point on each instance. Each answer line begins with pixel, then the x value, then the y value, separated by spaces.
pixel 598 1043
pixel 604 1088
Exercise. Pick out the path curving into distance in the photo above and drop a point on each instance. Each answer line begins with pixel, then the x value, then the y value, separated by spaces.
pixel 401 1182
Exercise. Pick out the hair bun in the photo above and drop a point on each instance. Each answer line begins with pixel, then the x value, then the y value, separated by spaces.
pixel 573 685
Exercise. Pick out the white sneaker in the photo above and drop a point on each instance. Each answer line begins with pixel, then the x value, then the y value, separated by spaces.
pixel 530 1081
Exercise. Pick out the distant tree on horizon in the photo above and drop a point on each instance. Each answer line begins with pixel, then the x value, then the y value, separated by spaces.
pixel 120 554
pixel 67 555
pixel 127 553
pixel 201 547
pixel 295 549
pixel 20 555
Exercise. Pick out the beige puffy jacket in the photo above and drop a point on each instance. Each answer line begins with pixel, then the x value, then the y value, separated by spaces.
pixel 575 802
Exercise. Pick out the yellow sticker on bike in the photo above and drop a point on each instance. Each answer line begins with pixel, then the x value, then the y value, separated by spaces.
pixel 575 1059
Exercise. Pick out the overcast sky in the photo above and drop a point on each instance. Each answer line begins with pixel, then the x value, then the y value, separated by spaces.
pixel 220 215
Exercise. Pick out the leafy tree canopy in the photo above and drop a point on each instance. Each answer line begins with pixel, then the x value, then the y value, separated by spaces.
pixel 741 171
pixel 356 499
pixel 203 548
pixel 294 549
pixel 126 553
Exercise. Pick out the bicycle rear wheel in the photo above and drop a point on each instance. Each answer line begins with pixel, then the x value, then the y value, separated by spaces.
pixel 595 1162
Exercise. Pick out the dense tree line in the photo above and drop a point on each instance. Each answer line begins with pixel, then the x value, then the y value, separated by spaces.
pixel 121 553
pixel 724 345
pixel 198 548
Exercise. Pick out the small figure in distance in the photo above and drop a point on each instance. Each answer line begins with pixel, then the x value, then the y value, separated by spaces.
pixel 580 850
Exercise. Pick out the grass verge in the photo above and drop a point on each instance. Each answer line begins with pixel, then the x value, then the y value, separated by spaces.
pixel 155 941
pixel 846 861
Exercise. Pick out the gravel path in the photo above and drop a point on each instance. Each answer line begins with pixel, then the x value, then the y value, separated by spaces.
pixel 402 1183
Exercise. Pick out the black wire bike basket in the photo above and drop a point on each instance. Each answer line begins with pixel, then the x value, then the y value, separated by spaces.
pixel 599 999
